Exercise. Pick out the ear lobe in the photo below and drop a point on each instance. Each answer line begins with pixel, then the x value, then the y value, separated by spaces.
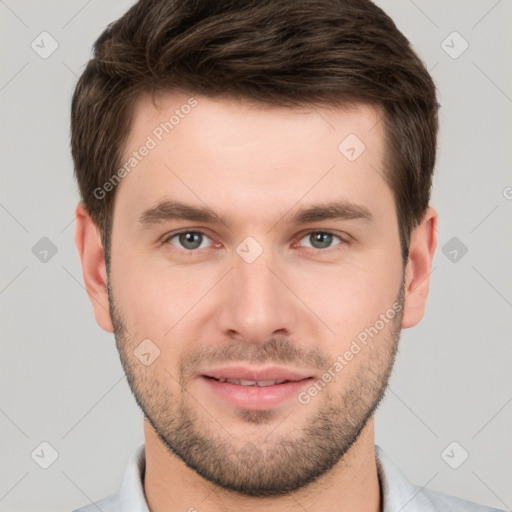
pixel 419 267
pixel 92 257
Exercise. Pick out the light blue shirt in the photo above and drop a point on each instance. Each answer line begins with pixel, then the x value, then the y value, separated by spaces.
pixel 398 493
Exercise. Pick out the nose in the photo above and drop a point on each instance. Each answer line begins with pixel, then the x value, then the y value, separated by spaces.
pixel 257 301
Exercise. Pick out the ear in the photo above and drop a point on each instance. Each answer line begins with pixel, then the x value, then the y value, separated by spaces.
pixel 419 266
pixel 92 256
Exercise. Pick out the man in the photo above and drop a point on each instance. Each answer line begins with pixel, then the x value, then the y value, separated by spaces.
pixel 255 230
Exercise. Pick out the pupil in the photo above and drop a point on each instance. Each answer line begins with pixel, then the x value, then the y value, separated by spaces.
pixel 324 239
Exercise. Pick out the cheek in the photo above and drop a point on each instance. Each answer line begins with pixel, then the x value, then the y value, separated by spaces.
pixel 138 293
pixel 349 297
pixel 157 298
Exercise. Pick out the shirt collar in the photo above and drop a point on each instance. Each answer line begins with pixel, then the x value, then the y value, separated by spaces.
pixel 131 493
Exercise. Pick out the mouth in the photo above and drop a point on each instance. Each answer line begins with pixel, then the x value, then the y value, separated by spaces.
pixel 247 376
pixel 259 383
pixel 258 390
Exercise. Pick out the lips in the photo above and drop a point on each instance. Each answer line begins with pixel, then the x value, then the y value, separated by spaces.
pixel 253 388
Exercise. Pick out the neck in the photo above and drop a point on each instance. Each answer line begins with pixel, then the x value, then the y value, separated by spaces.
pixel 352 484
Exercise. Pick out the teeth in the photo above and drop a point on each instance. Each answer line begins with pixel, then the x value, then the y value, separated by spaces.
pixel 243 382
pixel 259 383
pixel 263 383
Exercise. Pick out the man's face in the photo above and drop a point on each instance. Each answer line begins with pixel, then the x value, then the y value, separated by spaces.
pixel 266 289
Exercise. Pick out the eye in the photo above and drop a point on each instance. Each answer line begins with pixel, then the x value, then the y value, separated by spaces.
pixel 188 240
pixel 321 239
pixel 192 240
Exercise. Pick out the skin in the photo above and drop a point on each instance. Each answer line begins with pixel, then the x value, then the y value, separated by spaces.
pixel 296 305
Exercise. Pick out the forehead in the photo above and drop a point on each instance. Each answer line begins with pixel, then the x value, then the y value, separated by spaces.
pixel 227 119
pixel 235 155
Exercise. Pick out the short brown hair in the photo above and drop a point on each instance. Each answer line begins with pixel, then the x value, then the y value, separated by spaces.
pixel 278 52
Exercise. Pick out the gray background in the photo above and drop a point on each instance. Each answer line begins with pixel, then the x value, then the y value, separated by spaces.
pixel 61 379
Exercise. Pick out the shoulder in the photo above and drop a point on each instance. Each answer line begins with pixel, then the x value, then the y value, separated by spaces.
pixel 109 504
pixel 130 496
pixel 444 502
pixel 399 493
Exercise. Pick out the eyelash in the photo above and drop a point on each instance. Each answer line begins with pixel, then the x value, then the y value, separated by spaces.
pixel 342 243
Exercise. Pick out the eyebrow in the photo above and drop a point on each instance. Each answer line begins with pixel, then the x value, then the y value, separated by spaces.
pixel 175 210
